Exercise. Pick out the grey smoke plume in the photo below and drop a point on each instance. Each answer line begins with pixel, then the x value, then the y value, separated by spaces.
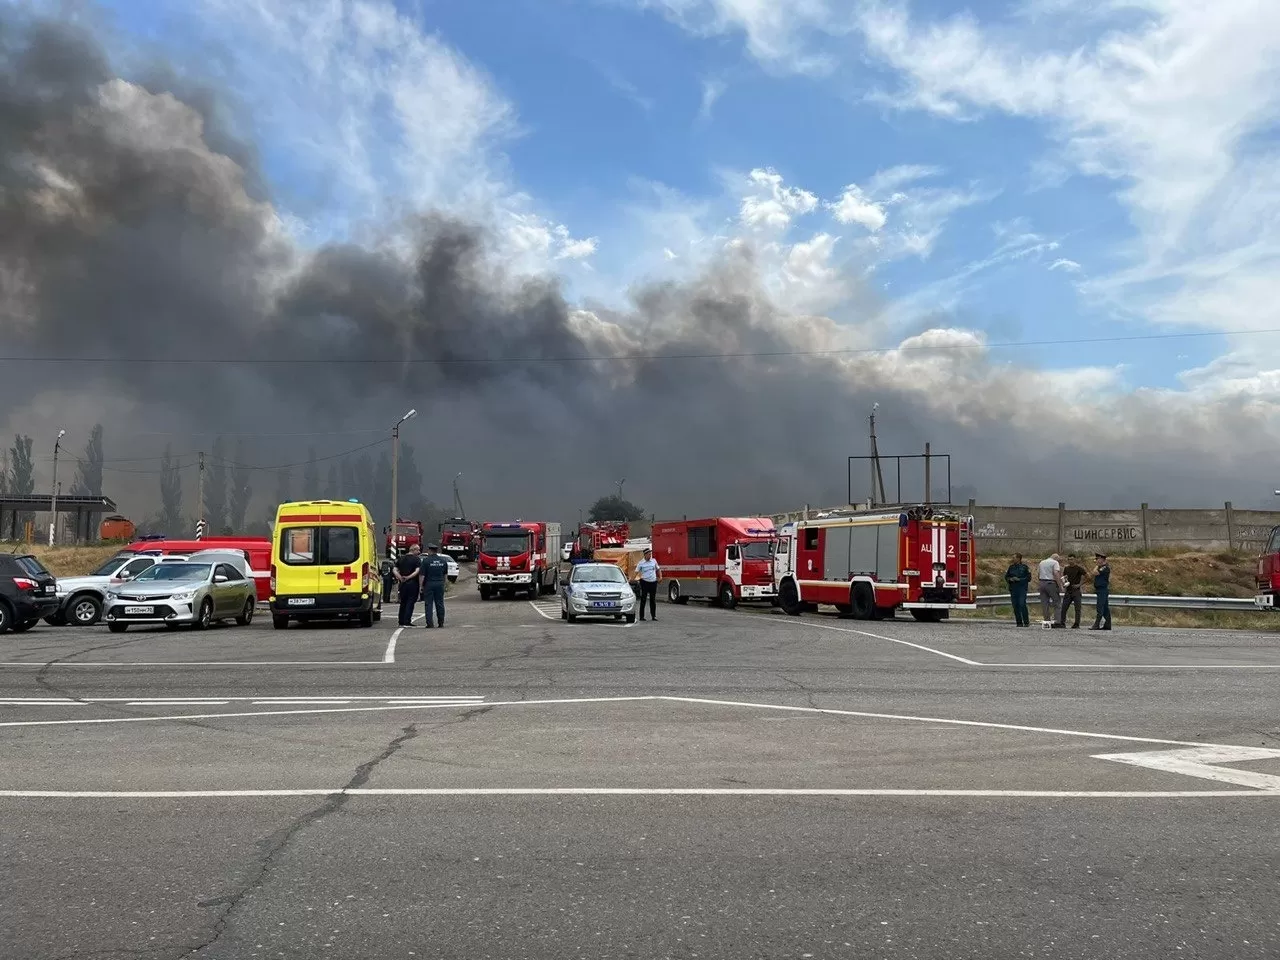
pixel 133 225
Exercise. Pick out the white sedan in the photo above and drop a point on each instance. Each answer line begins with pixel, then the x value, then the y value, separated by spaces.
pixel 453 569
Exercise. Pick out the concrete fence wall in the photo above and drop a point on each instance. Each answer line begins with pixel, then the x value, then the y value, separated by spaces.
pixel 1041 530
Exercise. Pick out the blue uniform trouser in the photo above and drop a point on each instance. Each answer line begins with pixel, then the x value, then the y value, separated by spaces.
pixel 433 600
pixel 1018 594
pixel 408 597
pixel 1103 604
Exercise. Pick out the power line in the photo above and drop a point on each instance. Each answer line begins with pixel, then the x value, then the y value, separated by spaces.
pixel 646 358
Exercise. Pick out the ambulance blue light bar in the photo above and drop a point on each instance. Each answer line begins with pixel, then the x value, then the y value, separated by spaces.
pixel 353 500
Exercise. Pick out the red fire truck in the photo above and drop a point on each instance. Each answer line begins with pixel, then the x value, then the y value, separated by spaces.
pixel 603 533
pixel 460 537
pixel 725 559
pixel 521 556
pixel 408 532
pixel 870 564
pixel 1269 573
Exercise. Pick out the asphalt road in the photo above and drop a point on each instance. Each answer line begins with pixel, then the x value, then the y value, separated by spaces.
pixel 715 784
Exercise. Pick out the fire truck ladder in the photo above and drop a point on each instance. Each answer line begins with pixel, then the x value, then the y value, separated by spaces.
pixel 965 557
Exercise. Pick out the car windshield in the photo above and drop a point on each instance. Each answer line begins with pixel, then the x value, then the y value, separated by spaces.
pixel 597 573
pixel 455 527
pixel 109 567
pixel 406 529
pixel 762 550
pixel 505 544
pixel 174 571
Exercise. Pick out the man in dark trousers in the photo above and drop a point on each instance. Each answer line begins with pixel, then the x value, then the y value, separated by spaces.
pixel 1018 577
pixel 1102 589
pixel 1073 575
pixel 435 571
pixel 649 573
pixel 408 570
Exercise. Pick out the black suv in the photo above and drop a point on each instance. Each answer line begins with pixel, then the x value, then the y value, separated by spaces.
pixel 27 592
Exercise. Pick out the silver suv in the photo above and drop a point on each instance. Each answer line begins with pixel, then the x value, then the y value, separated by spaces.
pixel 81 599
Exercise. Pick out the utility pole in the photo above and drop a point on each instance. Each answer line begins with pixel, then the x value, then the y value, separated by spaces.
pixel 200 500
pixel 928 487
pixel 620 483
pixel 877 478
pixel 457 499
pixel 53 520
pixel 395 480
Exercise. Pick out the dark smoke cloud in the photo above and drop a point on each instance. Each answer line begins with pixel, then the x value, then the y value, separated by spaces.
pixel 133 224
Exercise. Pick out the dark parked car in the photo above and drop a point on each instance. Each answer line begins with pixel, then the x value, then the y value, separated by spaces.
pixel 27 592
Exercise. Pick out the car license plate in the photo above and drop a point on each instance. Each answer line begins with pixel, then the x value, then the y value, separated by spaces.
pixel 302 601
pixel 138 611
pixel 603 603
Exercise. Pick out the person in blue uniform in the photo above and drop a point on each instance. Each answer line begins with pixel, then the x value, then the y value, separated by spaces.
pixel 1018 577
pixel 408 572
pixel 435 572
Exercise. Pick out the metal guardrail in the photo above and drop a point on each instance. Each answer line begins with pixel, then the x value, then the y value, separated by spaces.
pixel 1136 600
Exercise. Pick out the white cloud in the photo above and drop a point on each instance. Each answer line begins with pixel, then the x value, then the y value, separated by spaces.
pixel 1062 263
pixel 712 91
pixel 1173 102
pixel 774 30
pixel 855 207
pixel 771 205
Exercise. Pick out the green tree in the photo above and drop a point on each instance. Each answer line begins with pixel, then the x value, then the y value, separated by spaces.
pixel 170 494
pixel 614 507
pixel 88 481
pixel 215 490
pixel 241 491
pixel 21 481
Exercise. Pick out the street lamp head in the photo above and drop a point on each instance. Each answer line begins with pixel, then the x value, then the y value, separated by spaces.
pixel 61 434
pixel 410 415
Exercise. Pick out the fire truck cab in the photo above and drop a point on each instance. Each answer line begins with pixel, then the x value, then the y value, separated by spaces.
pixel 871 564
pixel 523 555
pixel 723 559
pixel 405 535
pixel 459 538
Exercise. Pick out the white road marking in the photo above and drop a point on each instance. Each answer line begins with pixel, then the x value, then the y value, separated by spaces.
pixel 40 665
pixel 877 636
pixel 390 655
pixel 1203 762
pixel 544 613
pixel 938 720
pixel 1141 666
pixel 177 703
pixel 290 713
pixel 277 700
pixel 630 792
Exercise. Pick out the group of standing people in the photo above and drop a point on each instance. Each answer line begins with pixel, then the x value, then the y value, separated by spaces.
pixel 426 575
pixel 1060 589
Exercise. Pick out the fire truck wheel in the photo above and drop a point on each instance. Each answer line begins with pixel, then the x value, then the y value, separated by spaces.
pixel 485 593
pixel 863 601
pixel 727 599
pixel 673 593
pixel 789 598
pixel 844 609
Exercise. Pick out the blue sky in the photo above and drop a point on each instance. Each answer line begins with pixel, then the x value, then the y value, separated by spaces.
pixel 1081 169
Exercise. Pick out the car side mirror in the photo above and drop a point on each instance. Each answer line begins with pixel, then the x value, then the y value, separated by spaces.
pixel 220 578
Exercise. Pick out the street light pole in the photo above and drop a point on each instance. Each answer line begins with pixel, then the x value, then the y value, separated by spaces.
pixel 53 522
pixel 395 479
pixel 620 483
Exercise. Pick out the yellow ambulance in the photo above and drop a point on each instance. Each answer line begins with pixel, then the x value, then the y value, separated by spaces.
pixel 324 563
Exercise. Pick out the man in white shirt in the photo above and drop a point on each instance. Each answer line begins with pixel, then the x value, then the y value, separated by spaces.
pixel 649 573
pixel 1050 574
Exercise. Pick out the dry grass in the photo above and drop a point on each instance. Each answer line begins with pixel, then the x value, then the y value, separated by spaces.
pixel 66 561
pixel 1167 573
